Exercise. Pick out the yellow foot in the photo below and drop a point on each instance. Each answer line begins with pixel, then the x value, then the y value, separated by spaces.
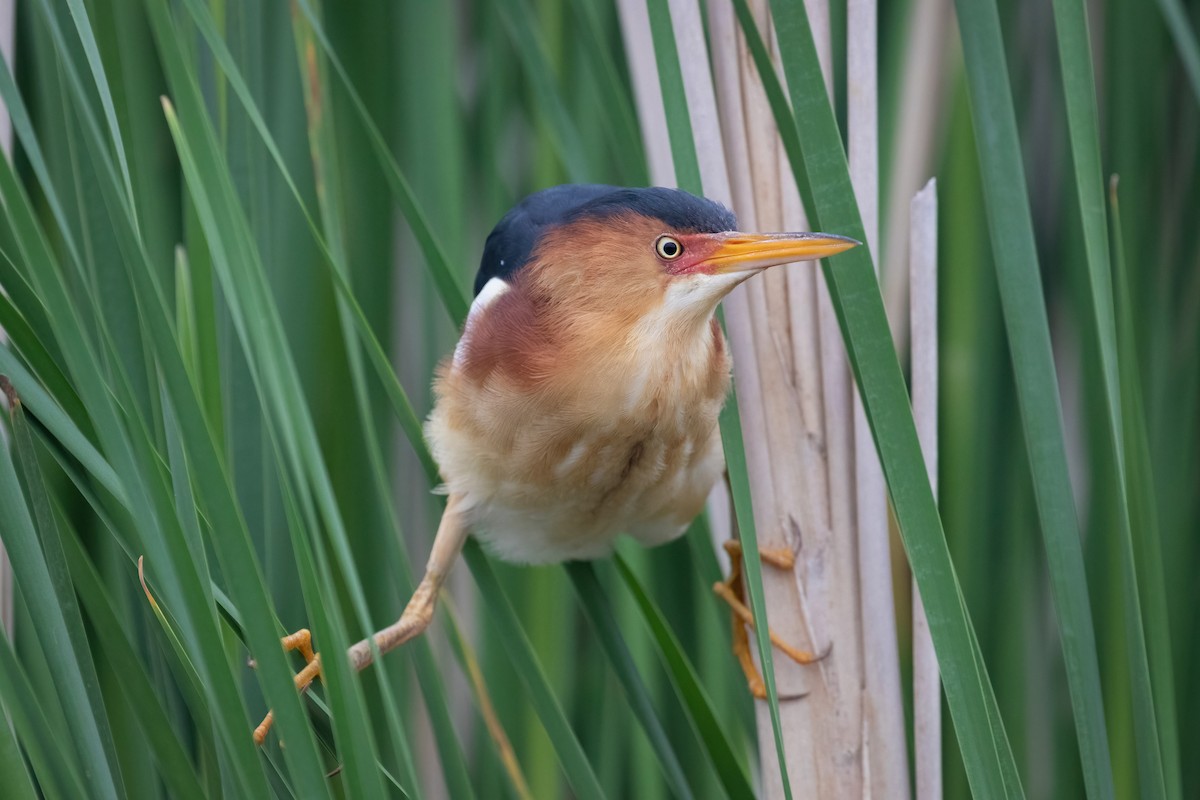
pixel 300 640
pixel 732 591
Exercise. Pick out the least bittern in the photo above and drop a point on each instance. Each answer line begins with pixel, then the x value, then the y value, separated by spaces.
pixel 581 401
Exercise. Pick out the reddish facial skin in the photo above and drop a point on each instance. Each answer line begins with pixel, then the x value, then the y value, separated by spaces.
pixel 696 248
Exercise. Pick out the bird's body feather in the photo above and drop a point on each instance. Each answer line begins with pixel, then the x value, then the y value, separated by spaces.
pixel 582 399
pixel 556 446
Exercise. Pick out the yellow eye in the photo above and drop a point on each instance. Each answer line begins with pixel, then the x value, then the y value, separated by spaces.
pixel 668 248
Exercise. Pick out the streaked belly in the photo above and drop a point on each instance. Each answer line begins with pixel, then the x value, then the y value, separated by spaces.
pixel 561 491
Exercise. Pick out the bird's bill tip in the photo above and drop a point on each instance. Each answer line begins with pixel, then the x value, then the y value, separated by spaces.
pixel 741 252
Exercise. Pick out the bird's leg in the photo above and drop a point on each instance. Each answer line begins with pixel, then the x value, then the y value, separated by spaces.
pixel 729 591
pixel 452 532
pixel 733 591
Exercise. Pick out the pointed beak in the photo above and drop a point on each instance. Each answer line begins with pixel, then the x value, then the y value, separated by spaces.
pixel 743 252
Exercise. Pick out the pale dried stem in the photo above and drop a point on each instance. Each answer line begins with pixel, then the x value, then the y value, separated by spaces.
pixel 782 500
pixel 883 705
pixel 818 20
pixel 794 396
pixel 922 262
pixel 840 482
pixel 763 294
pixel 701 97
pixel 647 91
pixel 726 44
pixel 828 556
pixel 824 728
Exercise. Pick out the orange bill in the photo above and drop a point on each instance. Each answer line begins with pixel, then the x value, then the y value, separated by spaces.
pixel 742 252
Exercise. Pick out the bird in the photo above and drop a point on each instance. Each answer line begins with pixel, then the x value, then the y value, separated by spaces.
pixel 581 401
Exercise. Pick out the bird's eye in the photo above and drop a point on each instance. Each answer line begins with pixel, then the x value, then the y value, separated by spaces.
pixel 668 248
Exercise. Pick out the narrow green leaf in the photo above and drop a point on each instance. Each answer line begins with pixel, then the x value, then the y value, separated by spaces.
pixel 1176 18
pixel 1079 90
pixel 292 432
pixel 531 50
pixel 164 744
pixel 328 175
pixel 443 276
pixel 679 122
pixel 20 292
pixel 92 52
pixel 401 405
pixel 23 337
pixel 516 644
pixel 1143 513
pixel 278 386
pixel 618 110
pixel 96 67
pixel 140 514
pixel 1029 338
pixel 54 765
pixel 468 657
pixel 59 423
pixel 48 594
pixel 185 315
pixel 595 606
pixel 322 139
pixel 691 692
pixel 424 659
pixel 15 781
pixel 185 499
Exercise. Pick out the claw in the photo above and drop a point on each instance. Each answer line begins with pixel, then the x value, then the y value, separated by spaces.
pixel 732 591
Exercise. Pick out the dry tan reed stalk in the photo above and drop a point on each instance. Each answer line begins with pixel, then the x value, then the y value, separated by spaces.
pixel 883 709
pixel 922 267
pixel 836 390
pixel 831 567
pixel 634 19
pixel 760 421
pixel 784 506
pixel 822 731
pixel 794 392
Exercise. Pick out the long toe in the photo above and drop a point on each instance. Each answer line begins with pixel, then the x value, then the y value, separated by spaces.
pixel 300 641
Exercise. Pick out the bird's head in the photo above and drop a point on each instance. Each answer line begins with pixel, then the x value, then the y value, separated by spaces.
pixel 595 263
